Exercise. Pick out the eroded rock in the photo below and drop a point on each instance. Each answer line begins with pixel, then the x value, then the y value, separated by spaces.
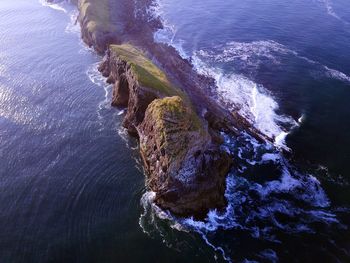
pixel 185 169
pixel 185 166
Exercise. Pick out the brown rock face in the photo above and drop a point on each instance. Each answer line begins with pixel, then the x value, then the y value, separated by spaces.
pixel 127 92
pixel 98 26
pixel 185 166
pixel 180 149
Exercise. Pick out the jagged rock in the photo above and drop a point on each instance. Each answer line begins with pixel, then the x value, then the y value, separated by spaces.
pixel 185 167
pixel 139 83
pixel 97 27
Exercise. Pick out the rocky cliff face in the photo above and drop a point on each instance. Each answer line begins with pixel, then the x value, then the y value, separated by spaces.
pixel 98 29
pixel 180 149
pixel 185 167
pixel 186 170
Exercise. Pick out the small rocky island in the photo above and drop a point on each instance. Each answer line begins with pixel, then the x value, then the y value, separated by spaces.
pixel 185 167
pixel 169 106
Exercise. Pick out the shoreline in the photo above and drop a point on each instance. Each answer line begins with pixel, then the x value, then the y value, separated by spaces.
pixel 187 167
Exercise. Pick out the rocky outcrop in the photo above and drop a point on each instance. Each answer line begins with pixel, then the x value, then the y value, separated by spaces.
pixel 185 166
pixel 137 82
pixel 97 28
pixel 185 169
pixel 180 148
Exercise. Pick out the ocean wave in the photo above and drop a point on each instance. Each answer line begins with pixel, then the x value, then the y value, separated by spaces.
pixel 239 92
pixel 73 26
pixel 168 33
pixel 256 53
pixel 53 5
pixel 250 99
pixel 262 197
pixel 251 53
pixel 337 74
pixel 96 77
pixel 256 204
pixel 328 4
pixel 256 207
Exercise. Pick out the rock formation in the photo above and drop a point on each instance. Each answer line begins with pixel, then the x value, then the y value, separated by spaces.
pixel 185 168
pixel 179 126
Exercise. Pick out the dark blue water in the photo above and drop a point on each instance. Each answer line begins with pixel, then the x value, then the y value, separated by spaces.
pixel 70 184
pixel 72 189
pixel 285 66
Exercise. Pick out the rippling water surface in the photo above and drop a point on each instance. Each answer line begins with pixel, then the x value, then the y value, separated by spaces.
pixel 71 185
pixel 284 66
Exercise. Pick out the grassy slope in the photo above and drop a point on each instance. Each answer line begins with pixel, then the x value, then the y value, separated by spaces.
pixel 98 14
pixel 147 73
pixel 150 76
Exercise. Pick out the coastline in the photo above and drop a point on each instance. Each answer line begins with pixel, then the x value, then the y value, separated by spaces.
pixel 189 178
pixel 87 192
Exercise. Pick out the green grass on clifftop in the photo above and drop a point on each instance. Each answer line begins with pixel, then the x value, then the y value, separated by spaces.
pixel 97 12
pixel 175 101
pixel 175 109
pixel 147 73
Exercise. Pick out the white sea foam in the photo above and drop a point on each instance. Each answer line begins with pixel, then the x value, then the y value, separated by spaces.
pixel 251 203
pixel 301 119
pixel 251 53
pixel 53 5
pixel 168 33
pixel 73 26
pixel 96 77
pixel 251 100
pixel 328 4
pixel 306 189
pixel 337 74
pixel 121 112
pixel 255 53
pixel 263 200
pixel 266 204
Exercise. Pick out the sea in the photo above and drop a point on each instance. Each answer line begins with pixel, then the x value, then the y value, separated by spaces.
pixel 72 187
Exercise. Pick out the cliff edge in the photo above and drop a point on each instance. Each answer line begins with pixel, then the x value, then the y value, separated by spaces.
pixel 185 167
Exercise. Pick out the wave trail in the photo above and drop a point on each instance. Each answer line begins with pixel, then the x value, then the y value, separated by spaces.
pixel 53 5
pixel 253 54
pixel 330 10
pixel 251 100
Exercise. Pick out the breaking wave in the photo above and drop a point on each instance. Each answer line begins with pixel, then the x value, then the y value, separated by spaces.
pixel 168 33
pixel 238 91
pixel 53 5
pixel 252 55
pixel 328 4
pixel 251 100
pixel 261 206
pixel 73 26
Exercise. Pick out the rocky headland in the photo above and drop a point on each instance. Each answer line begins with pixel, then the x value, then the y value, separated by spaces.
pixel 170 108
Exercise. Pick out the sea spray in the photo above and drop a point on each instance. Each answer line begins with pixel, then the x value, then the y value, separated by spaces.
pixel 253 55
pixel 54 5
pixel 328 4
pixel 255 203
pixel 250 99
